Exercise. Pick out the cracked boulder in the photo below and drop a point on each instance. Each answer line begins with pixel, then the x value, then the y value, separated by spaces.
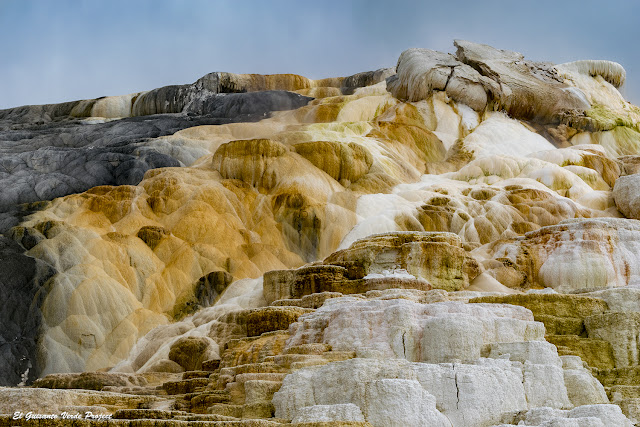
pixel 528 90
pixel 481 76
pixel 421 71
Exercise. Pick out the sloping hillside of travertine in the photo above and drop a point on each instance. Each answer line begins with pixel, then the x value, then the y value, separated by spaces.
pixel 453 241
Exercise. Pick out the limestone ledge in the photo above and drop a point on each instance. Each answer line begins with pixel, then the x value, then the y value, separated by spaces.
pixel 395 260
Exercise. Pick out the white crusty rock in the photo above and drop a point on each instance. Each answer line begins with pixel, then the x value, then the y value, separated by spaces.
pixel 467 394
pixel 506 364
pixel 582 416
pixel 387 402
pixel 625 299
pixel 539 352
pixel 582 387
pixel 399 403
pixel 626 194
pixel 328 413
pixel 542 370
pixel 434 333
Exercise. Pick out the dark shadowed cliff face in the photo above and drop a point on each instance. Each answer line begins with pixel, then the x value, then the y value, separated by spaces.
pixel 22 290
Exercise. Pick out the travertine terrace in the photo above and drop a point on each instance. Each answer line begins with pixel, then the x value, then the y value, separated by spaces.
pixel 450 241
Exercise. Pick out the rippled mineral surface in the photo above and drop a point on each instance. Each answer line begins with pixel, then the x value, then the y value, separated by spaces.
pixel 450 242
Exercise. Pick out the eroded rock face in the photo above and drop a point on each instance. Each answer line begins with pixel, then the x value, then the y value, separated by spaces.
pixel 479 75
pixel 269 319
pixel 334 279
pixel 22 279
pixel 577 254
pixel 438 258
pixel 58 401
pixel 620 329
pixel 394 260
pixel 463 402
pixel 601 328
pixel 190 352
pixel 209 94
pixel 432 333
pixel 88 381
pixel 408 403
pixel 421 71
pixel 344 163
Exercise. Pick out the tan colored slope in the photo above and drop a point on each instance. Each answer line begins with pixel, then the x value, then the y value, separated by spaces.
pixel 128 256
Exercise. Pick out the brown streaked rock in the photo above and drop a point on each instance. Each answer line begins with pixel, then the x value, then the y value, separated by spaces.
pixel 437 257
pixel 89 380
pixel 269 319
pixel 190 352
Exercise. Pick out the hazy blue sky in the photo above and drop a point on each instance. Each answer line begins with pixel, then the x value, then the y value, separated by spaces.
pixel 54 51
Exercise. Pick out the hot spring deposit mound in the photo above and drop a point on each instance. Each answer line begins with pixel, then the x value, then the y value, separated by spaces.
pixel 453 241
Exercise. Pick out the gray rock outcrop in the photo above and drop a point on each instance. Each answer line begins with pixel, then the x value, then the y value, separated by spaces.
pixel 22 288
pixel 481 76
